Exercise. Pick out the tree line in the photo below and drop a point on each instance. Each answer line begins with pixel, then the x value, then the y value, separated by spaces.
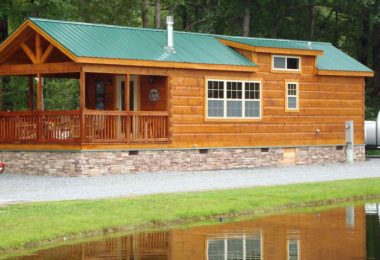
pixel 353 26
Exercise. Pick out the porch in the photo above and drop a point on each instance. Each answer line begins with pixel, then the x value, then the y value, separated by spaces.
pixel 113 105
pixel 81 127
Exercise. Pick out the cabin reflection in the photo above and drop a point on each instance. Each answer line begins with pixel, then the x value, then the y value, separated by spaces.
pixel 333 234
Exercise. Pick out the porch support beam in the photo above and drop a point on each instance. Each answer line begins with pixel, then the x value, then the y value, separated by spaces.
pixel 33 69
pixel 127 92
pixel 29 52
pixel 82 102
pixel 39 92
pixel 30 94
pixel 47 53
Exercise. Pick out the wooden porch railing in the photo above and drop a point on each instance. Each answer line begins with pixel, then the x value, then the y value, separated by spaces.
pixel 99 127
pixel 40 127
pixel 130 127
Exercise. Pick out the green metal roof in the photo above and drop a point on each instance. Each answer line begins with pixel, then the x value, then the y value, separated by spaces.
pixel 332 58
pixel 109 41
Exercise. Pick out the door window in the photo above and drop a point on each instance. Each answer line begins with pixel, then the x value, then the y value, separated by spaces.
pixel 99 95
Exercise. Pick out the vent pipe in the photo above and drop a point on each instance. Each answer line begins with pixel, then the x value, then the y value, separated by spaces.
pixel 169 31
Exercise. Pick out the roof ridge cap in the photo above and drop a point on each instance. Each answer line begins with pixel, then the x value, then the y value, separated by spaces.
pixel 94 24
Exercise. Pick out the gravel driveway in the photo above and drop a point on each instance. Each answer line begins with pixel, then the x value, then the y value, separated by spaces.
pixel 24 188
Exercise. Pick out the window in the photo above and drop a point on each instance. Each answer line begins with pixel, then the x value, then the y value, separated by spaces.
pixel 238 247
pixel 291 96
pixel 286 63
pixel 293 249
pixel 216 249
pixel 100 95
pixel 350 217
pixel 233 99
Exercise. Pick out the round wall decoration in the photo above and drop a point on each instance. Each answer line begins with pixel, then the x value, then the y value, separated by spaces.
pixel 154 95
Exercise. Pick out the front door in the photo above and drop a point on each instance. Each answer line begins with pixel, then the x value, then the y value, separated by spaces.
pixel 133 93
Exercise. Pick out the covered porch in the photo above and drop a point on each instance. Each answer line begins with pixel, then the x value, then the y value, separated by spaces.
pixel 120 104
pixel 122 109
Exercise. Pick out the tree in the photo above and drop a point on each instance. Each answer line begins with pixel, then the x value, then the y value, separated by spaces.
pixel 246 18
pixel 157 14
pixel 144 13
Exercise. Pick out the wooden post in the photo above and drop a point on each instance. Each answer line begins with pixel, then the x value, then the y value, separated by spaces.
pixel 39 108
pixel 127 94
pixel 82 101
pixel 30 94
pixel 1 93
pixel 39 92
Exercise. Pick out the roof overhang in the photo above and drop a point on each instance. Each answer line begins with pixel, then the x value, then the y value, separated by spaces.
pixel 345 73
pixel 270 49
pixel 166 64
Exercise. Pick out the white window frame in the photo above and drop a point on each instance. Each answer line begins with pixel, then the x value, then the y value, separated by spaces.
pixel 298 248
pixel 243 237
pixel 225 99
pixel 287 108
pixel 286 62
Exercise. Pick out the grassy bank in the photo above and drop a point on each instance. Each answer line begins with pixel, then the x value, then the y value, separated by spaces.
pixel 374 153
pixel 25 224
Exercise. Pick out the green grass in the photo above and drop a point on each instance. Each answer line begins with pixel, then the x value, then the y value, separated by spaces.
pixel 26 224
pixel 373 152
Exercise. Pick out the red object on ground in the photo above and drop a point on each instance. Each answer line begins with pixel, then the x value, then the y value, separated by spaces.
pixel 2 166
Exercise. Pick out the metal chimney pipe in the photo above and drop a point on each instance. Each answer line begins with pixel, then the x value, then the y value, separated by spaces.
pixel 169 32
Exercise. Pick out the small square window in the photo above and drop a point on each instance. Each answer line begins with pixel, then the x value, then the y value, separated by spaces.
pixel 279 62
pixel 215 89
pixel 292 63
pixel 234 108
pixel 286 63
pixel 216 108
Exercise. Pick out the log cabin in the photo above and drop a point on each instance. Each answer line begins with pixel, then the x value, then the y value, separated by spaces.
pixel 161 100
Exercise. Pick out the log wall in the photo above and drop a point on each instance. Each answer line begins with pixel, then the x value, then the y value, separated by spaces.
pixel 325 103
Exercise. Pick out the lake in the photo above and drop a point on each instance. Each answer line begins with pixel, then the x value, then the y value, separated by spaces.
pixel 351 232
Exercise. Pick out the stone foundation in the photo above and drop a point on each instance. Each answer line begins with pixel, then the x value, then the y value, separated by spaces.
pixel 96 163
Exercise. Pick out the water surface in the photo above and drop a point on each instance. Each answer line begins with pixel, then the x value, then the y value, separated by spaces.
pixel 341 233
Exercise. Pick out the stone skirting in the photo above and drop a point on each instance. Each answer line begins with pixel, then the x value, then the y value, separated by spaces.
pixel 93 163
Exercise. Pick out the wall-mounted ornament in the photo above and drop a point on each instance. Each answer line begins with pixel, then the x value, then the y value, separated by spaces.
pixel 154 95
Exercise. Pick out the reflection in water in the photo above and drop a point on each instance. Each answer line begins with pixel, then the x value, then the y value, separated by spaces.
pixel 373 230
pixel 243 246
pixel 343 233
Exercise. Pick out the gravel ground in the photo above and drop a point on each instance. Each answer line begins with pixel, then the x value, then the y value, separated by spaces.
pixel 25 188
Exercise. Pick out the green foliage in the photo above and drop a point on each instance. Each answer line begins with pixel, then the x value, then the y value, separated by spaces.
pixel 61 94
pixel 32 222
pixel 15 93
